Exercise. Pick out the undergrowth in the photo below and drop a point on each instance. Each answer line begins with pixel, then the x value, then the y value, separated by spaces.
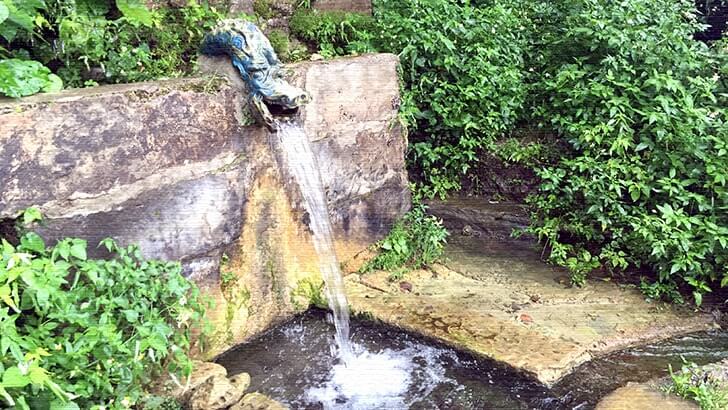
pixel 417 240
pixel 77 332
pixel 693 383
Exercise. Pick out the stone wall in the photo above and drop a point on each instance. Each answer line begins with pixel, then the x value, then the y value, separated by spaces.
pixel 179 168
pixel 359 6
pixel 246 6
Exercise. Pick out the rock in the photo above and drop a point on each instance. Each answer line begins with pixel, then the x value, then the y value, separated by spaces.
pixel 359 6
pixel 240 382
pixel 258 401
pixel 477 217
pixel 482 284
pixel 208 388
pixel 405 286
pixel 640 396
pixel 525 319
pixel 467 230
pixel 201 373
pixel 179 168
pixel 215 393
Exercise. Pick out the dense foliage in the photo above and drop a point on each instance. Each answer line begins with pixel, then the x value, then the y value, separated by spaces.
pixel 417 240
pixel 463 72
pixel 19 78
pixel 635 178
pixel 82 333
pixel 333 33
pixel 694 383
pixel 86 42
pixel 643 183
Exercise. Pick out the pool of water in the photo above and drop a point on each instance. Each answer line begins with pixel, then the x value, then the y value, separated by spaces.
pixel 597 378
pixel 391 369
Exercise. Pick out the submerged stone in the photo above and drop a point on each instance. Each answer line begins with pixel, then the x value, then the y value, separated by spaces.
pixel 640 396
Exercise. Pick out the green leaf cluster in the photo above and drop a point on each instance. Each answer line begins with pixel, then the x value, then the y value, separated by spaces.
pixel 694 383
pixel 140 45
pixel 19 78
pixel 83 333
pixel 90 42
pixel 334 33
pixel 633 172
pixel 20 18
pixel 416 240
pixel 642 184
pixel 463 70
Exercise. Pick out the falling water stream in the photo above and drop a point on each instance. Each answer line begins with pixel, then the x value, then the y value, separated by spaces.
pixel 300 161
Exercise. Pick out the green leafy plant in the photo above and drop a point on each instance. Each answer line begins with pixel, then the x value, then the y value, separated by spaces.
pixel 20 18
pixel 281 44
pixel 334 33
pixel 263 9
pixel 83 333
pixel 642 185
pixel 463 71
pixel 693 383
pixel 104 42
pixel 312 291
pixel 19 78
pixel 415 241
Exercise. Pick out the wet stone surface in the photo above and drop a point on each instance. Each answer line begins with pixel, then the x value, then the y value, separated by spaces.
pixel 499 300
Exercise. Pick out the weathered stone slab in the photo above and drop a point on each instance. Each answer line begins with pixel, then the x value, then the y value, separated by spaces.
pixel 359 6
pixel 497 299
pixel 481 217
pixel 179 168
pixel 640 396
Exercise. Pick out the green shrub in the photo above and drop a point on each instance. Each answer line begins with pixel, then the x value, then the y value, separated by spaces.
pixel 123 50
pixel 643 182
pixel 89 333
pixel 263 9
pixel 692 383
pixel 415 241
pixel 104 41
pixel 334 32
pixel 463 72
pixel 280 43
pixel 19 78
pixel 20 18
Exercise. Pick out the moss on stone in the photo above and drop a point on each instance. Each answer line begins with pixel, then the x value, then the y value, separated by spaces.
pixel 281 43
pixel 263 9
pixel 310 290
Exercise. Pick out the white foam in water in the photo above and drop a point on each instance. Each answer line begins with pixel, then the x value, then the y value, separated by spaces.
pixel 385 380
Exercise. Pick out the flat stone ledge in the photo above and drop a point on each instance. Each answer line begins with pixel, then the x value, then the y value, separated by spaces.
pixel 500 301
pixel 480 217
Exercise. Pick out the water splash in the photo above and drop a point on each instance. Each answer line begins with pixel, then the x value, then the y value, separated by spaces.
pixel 388 379
pixel 301 163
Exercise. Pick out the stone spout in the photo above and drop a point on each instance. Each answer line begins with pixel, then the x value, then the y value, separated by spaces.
pixel 180 168
pixel 253 56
